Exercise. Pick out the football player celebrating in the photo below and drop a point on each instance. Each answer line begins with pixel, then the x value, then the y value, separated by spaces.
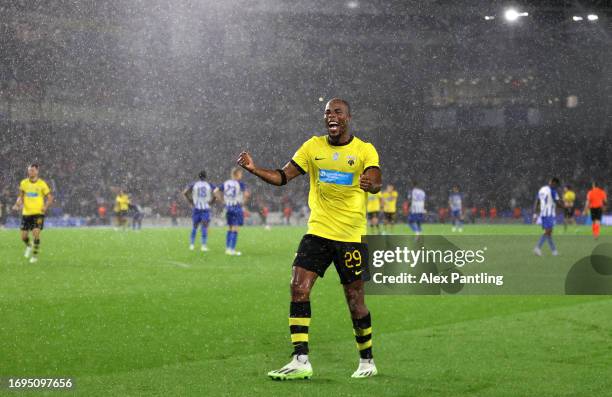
pixel 342 169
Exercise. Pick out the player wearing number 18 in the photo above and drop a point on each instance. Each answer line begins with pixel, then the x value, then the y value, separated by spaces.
pixel 342 169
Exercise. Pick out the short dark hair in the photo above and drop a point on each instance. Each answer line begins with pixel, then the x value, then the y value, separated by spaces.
pixel 202 175
pixel 568 186
pixel 35 165
pixel 596 183
pixel 345 103
pixel 555 181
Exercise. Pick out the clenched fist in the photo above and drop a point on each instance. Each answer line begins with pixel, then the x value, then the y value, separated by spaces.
pixel 246 161
pixel 365 183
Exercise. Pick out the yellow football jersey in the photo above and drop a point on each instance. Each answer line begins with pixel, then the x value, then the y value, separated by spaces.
pixel 337 204
pixel 374 202
pixel 122 202
pixel 34 194
pixel 389 201
pixel 569 197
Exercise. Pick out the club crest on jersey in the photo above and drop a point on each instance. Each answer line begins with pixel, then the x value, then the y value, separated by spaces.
pixel 350 160
pixel 335 156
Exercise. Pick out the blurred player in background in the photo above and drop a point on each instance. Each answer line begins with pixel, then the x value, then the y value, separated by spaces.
pixel 264 211
pixel 342 169
pixel 122 205
pixel 173 210
pixel 389 200
pixel 233 193
pixel 417 208
pixel 546 203
pixel 34 199
pixel 455 204
pixel 373 210
pixel 596 202
pixel 4 206
pixel 569 203
pixel 200 196
pixel 137 215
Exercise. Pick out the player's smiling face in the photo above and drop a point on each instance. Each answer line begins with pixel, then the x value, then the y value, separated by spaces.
pixel 336 119
pixel 32 173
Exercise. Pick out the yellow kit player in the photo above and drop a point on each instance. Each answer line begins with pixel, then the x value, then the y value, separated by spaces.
pixel 343 169
pixel 373 210
pixel 34 199
pixel 389 199
pixel 122 205
pixel 569 202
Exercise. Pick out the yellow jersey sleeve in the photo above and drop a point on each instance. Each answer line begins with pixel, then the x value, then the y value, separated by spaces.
pixel 45 188
pixel 302 156
pixel 370 156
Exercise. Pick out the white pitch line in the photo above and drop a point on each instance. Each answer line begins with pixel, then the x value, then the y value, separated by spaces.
pixel 181 264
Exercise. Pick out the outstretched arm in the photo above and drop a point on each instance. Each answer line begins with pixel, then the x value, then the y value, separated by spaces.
pixel 371 180
pixel 273 177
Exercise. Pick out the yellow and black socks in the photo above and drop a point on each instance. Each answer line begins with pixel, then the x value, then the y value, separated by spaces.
pixel 299 321
pixel 26 241
pixel 36 246
pixel 362 328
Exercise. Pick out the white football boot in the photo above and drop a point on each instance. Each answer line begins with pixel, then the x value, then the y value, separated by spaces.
pixel 366 368
pixel 298 368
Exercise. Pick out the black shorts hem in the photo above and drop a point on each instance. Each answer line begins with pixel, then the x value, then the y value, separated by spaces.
pixel 390 216
pixel 304 266
pixel 373 214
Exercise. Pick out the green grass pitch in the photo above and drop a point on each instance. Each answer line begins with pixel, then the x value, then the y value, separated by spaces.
pixel 136 313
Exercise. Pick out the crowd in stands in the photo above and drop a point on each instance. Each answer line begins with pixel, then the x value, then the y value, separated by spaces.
pixel 86 164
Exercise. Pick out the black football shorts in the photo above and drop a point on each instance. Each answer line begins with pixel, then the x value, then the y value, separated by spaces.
pixel 31 222
pixel 596 214
pixel 317 253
